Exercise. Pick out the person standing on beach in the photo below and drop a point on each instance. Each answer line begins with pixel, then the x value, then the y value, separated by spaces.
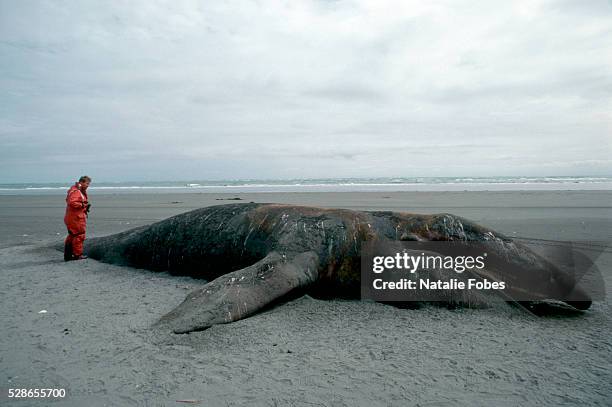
pixel 77 209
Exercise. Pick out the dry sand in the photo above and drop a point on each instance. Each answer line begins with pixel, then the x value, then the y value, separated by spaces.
pixel 95 339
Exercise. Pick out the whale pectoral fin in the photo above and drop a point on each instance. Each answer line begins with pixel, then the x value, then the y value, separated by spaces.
pixel 241 293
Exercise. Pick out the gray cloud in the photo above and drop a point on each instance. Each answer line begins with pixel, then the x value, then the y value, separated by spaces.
pixel 148 90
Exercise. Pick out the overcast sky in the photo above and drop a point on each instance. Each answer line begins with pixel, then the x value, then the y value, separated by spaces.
pixel 151 90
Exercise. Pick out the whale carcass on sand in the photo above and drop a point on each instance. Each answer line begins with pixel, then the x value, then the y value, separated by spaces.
pixel 254 254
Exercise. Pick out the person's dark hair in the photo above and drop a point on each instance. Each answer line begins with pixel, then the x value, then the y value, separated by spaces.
pixel 84 178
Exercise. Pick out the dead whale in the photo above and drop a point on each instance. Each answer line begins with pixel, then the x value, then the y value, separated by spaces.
pixel 254 254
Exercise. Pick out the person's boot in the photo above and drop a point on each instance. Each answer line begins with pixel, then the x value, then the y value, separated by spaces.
pixel 68 252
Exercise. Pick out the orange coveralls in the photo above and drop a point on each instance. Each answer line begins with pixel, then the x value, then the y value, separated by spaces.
pixel 75 220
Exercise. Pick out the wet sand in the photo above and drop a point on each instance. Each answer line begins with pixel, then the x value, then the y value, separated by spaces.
pixel 95 341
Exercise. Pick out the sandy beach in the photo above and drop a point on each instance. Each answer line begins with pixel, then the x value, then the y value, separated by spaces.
pixel 96 342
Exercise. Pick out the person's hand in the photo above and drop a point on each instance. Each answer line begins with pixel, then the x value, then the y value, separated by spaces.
pixel 88 207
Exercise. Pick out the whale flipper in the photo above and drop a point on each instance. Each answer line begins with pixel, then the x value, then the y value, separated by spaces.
pixel 241 293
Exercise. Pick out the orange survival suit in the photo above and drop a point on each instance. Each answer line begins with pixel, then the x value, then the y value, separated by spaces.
pixel 76 222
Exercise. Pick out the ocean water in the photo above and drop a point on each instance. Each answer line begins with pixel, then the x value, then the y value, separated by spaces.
pixel 327 185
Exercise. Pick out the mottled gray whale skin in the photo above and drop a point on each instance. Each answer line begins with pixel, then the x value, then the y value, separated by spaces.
pixel 254 254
